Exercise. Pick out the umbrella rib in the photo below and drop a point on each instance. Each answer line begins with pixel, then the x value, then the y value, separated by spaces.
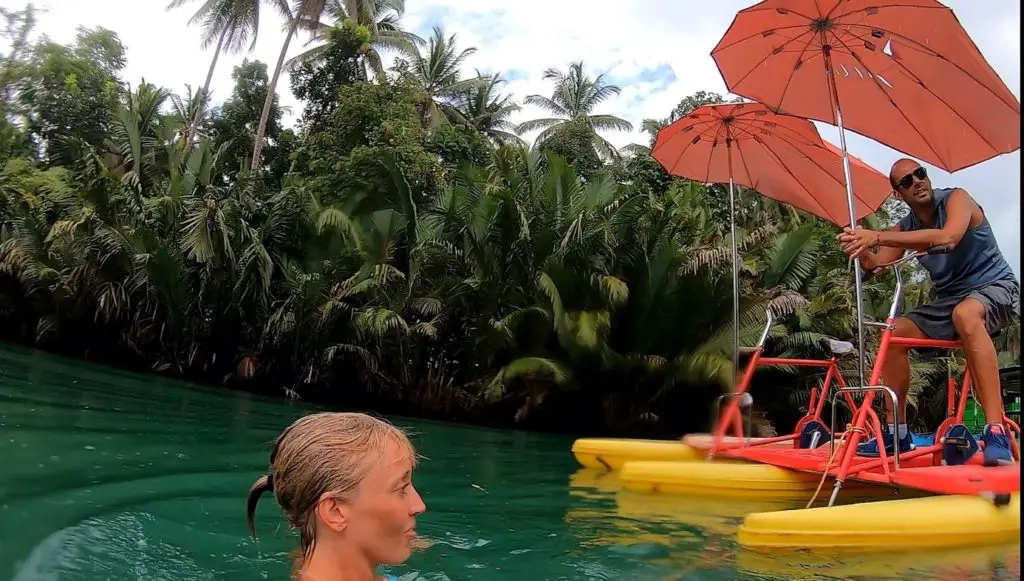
pixel 790 172
pixel 746 168
pixel 791 11
pixel 658 146
pixel 898 109
pixel 711 155
pixel 940 100
pixel 770 55
pixel 891 5
pixel 746 38
pixel 920 46
pixel 785 88
pixel 808 158
pixel 697 124
pixel 838 182
pixel 786 168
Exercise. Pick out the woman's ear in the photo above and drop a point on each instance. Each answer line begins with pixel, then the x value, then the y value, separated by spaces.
pixel 333 513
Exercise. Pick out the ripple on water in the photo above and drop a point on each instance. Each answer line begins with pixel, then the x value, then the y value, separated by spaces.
pixel 115 547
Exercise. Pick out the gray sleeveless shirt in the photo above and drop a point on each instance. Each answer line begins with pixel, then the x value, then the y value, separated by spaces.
pixel 975 262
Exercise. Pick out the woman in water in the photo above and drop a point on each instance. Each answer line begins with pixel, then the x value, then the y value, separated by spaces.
pixel 344 480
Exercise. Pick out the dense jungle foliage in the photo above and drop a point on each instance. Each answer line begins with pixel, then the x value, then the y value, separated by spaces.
pixel 401 247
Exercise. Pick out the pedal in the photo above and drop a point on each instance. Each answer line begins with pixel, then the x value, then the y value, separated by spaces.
pixel 958 445
pixel 957 442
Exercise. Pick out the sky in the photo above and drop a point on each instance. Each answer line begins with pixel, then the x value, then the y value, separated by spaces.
pixel 658 51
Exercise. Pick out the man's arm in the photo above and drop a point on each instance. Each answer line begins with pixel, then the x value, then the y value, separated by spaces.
pixel 886 254
pixel 959 208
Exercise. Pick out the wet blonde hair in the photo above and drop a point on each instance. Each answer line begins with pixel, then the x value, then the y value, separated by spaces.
pixel 320 453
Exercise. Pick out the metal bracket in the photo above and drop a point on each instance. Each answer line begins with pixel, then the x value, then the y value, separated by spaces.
pixel 895 415
pixel 746 401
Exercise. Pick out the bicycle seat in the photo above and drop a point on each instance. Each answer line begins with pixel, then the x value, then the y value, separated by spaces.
pixel 837 348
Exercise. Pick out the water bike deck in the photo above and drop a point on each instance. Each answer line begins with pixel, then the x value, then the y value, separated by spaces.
pixel 917 469
pixel 968 479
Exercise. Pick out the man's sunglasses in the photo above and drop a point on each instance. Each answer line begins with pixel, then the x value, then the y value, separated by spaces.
pixel 908 180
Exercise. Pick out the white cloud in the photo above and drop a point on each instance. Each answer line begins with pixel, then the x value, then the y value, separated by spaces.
pixel 619 38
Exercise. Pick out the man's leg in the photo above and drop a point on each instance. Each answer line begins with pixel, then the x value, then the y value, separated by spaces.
pixel 972 325
pixel 896 370
pixel 982 360
pixel 896 375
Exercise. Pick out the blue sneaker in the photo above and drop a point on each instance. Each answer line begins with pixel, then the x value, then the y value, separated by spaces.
pixel 997 446
pixel 870 448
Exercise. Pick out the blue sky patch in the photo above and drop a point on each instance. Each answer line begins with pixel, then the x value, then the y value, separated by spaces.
pixel 662 75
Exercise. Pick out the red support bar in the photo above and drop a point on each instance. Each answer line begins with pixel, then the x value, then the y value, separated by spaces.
pixel 875 463
pixel 932 343
pixel 795 362
pixel 732 416
pixel 965 390
pixel 860 418
pixel 759 442
pixel 950 396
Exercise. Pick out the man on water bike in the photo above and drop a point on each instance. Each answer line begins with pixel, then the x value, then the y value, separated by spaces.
pixel 977 295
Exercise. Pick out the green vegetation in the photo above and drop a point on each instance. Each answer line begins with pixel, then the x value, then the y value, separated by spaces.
pixel 401 248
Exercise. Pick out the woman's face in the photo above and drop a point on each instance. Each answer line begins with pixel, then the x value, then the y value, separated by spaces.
pixel 382 516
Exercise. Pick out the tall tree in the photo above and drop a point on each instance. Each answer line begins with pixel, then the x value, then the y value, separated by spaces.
pixel 379 17
pixel 302 11
pixel 487 111
pixel 574 99
pixel 229 23
pixel 69 92
pixel 339 63
pixel 232 125
pixel 438 73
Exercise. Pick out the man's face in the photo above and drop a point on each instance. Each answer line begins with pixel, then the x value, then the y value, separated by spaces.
pixel 912 183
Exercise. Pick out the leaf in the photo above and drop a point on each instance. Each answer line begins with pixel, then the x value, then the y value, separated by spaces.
pixel 527 367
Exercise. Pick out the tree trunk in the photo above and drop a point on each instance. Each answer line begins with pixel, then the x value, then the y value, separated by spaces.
pixel 206 91
pixel 271 92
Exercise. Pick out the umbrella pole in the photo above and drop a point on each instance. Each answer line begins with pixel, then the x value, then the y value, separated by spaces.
pixel 735 272
pixel 834 94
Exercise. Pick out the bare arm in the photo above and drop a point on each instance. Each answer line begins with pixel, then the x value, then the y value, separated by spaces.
pixel 959 208
pixel 885 254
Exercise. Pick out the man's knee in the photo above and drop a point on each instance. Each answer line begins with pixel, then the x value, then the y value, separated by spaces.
pixel 969 317
pixel 905 327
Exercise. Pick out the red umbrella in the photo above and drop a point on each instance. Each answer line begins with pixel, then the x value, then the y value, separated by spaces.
pixel 904 73
pixel 781 157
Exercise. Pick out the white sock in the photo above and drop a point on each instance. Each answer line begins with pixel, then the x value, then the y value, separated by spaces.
pixel 900 431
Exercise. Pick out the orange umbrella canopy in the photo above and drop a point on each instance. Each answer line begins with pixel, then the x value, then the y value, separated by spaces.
pixel 781 157
pixel 906 74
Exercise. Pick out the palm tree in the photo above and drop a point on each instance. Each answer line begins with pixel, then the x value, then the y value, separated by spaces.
pixel 301 13
pixel 380 17
pixel 574 99
pixel 488 112
pixel 438 73
pixel 229 23
pixel 651 127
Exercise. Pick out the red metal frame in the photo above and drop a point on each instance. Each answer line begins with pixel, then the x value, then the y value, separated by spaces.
pixel 917 467
pixel 866 413
pixel 732 417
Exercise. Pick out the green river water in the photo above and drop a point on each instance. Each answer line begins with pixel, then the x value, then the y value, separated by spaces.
pixel 112 476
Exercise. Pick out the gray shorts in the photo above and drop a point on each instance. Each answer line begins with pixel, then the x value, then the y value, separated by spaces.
pixel 1001 300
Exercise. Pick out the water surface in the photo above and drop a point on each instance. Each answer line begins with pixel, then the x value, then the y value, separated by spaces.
pixel 108 475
